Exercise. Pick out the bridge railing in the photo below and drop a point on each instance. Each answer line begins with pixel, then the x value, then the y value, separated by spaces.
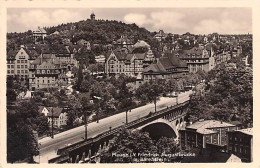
pixel 63 152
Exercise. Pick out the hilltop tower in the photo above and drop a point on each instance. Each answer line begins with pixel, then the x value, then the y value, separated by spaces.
pixel 92 16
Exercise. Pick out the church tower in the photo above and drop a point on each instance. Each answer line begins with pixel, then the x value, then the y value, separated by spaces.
pixel 92 16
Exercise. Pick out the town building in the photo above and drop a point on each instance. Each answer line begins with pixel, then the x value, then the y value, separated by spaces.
pixel 167 67
pixel 11 63
pixel 18 62
pixel 130 64
pixel 115 63
pixel 124 42
pixel 57 116
pixel 222 56
pixel 197 58
pixel 206 134
pixel 160 35
pixel 46 72
pixel 83 42
pixel 39 33
pixel 100 59
pixel 240 143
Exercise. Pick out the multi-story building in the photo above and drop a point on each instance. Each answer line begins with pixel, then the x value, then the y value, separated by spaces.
pixel 167 67
pixel 18 62
pixel 39 33
pixel 197 58
pixel 134 64
pixel 66 57
pixel 100 59
pixel 222 56
pixel 46 72
pixel 11 63
pixel 130 64
pixel 240 143
pixel 204 133
pixel 115 63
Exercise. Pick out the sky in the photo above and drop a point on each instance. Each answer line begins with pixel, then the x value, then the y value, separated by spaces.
pixel 171 20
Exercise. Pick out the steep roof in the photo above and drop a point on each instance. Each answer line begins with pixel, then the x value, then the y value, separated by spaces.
pixel 56 111
pixel 118 53
pixel 40 30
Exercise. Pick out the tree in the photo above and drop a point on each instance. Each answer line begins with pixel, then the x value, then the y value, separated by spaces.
pixel 128 142
pixel 135 142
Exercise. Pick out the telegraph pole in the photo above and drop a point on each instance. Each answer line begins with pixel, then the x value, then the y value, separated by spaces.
pixel 52 135
pixel 86 125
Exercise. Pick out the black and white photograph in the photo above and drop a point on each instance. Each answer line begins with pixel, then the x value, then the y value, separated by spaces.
pixel 129 85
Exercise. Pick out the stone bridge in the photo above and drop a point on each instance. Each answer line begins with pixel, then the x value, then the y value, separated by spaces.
pixel 166 122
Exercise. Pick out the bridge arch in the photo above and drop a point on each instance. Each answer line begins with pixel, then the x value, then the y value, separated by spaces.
pixel 160 128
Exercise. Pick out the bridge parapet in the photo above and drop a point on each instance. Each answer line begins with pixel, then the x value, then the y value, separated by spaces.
pixel 65 152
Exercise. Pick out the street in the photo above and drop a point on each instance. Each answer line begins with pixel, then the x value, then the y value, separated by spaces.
pixel 49 146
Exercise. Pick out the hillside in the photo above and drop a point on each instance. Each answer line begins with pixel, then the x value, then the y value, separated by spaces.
pixel 95 31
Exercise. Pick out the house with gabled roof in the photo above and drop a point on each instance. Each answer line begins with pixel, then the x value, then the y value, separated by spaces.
pixel 197 58
pixel 115 64
pixel 39 33
pixel 18 61
pixel 167 67
pixel 58 116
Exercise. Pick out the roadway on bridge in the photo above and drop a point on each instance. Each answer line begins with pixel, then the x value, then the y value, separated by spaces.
pixel 49 146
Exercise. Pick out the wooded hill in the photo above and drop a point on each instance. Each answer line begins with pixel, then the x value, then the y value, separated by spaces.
pixel 95 31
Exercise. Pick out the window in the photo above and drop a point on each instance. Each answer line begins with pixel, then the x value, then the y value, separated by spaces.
pixel 22 66
pixel 48 71
pixel 18 66
pixel 48 81
pixel 18 61
pixel 8 66
pixel 8 71
pixel 25 66
pixel 43 71
pixel 25 61
pixel 22 71
pixel 12 71
pixel 18 71
pixel 12 66
pixel 25 71
pixel 22 61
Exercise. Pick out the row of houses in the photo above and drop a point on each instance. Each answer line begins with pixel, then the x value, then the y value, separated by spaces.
pixel 42 70
pixel 167 65
pixel 218 136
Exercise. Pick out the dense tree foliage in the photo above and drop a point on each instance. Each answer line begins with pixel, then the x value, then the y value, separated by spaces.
pixel 226 96
pixel 24 125
pixel 134 143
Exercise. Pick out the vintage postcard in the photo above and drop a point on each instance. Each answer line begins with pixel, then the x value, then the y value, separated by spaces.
pixel 130 83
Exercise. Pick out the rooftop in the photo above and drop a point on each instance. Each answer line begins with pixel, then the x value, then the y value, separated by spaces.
pixel 203 127
pixel 248 131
